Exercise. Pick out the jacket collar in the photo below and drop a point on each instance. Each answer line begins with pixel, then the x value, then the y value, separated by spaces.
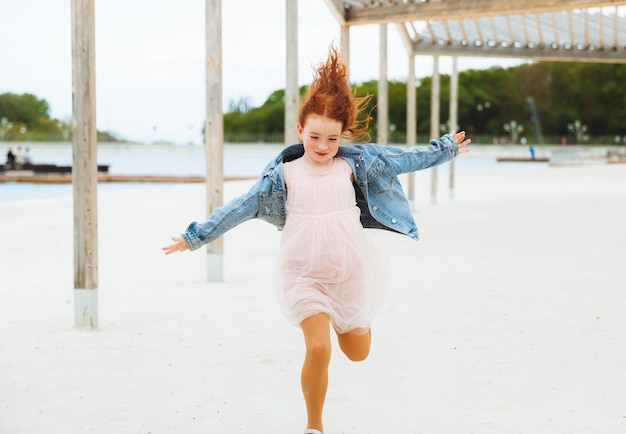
pixel 296 151
pixel 353 151
pixel 293 152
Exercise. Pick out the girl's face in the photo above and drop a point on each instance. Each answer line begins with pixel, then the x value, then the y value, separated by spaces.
pixel 320 136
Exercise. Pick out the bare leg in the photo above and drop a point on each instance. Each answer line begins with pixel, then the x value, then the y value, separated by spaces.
pixel 355 347
pixel 316 330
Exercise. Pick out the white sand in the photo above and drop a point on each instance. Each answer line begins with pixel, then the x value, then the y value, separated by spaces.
pixel 507 317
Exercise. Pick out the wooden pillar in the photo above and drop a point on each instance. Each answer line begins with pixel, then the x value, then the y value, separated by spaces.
pixel 214 132
pixel 382 109
pixel 345 58
pixel 411 122
pixel 85 165
pixel 292 95
pixel 345 47
pixel 454 113
pixel 434 124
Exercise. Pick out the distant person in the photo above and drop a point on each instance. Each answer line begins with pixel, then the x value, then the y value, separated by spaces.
pixel 27 157
pixel 20 158
pixel 329 273
pixel 10 158
pixel 531 148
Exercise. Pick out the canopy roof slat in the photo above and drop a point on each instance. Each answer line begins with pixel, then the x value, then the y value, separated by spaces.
pixel 447 29
pixel 601 30
pixel 527 41
pixel 478 32
pixel 570 20
pixel 557 40
pixel 616 30
pixel 495 39
pixel 539 31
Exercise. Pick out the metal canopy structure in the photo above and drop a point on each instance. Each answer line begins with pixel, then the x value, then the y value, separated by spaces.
pixel 581 31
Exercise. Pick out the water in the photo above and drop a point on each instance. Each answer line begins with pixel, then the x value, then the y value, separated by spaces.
pixel 239 160
pixel 125 159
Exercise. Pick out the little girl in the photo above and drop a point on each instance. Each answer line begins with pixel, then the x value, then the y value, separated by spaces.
pixel 322 195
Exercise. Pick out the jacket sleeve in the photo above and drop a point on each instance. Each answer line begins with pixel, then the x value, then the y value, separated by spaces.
pixel 415 158
pixel 223 219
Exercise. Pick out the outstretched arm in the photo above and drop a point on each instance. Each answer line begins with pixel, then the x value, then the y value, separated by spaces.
pixel 223 219
pixel 179 245
pixel 461 141
pixel 403 160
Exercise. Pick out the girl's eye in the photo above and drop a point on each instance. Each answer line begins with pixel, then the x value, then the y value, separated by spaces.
pixel 314 137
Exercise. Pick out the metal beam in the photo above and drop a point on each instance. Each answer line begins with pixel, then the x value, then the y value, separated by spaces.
pixel 406 38
pixel 531 53
pixel 336 8
pixel 398 12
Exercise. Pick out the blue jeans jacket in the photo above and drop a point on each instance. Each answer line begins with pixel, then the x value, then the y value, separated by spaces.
pixel 379 194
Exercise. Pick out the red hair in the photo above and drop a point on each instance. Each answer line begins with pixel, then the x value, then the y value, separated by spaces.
pixel 330 96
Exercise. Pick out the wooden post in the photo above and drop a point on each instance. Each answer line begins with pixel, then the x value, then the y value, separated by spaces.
pixel 84 166
pixel 383 91
pixel 214 132
pixel 291 89
pixel 344 32
pixel 454 113
pixel 411 122
pixel 345 48
pixel 434 124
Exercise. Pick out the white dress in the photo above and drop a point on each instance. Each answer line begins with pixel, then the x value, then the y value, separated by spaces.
pixel 327 264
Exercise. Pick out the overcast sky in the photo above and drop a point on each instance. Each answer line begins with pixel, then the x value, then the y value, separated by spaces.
pixel 150 74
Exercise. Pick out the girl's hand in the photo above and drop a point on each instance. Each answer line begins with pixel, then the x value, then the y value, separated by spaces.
pixel 179 245
pixel 461 141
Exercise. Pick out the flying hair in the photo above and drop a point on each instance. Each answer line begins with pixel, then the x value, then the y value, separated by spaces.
pixel 330 96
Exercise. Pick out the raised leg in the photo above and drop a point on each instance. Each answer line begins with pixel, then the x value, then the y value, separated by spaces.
pixel 355 346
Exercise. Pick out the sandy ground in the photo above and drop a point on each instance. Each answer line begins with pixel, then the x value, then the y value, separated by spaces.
pixel 508 316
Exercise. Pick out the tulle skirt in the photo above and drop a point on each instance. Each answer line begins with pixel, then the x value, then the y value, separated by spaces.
pixel 327 264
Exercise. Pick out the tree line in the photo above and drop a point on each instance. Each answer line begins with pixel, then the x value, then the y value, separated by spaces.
pixel 26 117
pixel 563 94
pixel 571 101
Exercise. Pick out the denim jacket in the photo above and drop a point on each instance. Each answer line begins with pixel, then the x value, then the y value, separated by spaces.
pixel 379 194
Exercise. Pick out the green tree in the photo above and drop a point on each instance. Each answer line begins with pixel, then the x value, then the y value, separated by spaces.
pixel 31 119
pixel 259 123
pixel 563 92
pixel 397 107
pixel 25 109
